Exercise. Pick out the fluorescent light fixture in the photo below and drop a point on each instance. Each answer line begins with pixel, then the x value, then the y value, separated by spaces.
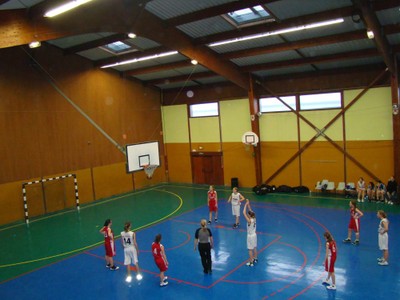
pixel 131 35
pixel 370 34
pixel 282 31
pixel 34 44
pixel 194 62
pixel 64 8
pixel 131 61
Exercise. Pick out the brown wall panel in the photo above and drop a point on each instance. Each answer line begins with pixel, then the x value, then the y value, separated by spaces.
pixel 179 164
pixel 321 160
pixel 239 163
pixel 43 134
pixel 376 156
pixel 11 202
pixel 111 180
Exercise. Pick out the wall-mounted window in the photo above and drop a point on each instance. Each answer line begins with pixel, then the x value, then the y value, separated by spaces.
pixel 320 101
pixel 204 110
pixel 272 104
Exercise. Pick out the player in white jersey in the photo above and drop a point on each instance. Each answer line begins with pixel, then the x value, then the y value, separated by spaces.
pixel 235 198
pixel 383 238
pixel 251 233
pixel 131 251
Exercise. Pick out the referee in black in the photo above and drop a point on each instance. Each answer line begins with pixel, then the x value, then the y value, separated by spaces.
pixel 204 241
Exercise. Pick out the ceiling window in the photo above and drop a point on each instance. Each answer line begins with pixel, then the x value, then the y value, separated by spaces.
pixel 248 16
pixel 204 110
pixel 321 101
pixel 118 47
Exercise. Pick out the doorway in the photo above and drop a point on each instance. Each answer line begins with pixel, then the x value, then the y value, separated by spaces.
pixel 207 168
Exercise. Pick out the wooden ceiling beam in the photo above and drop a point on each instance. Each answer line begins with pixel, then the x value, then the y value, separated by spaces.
pixel 274 26
pixel 181 78
pixel 215 11
pixel 96 43
pixel 129 56
pixel 159 68
pixel 372 23
pixel 311 60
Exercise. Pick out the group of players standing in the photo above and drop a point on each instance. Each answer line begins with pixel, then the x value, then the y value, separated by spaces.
pixel 204 241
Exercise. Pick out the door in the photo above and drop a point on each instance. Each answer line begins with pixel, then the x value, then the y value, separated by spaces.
pixel 207 168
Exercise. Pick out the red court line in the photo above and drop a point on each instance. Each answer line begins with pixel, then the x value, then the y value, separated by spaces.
pixel 178 246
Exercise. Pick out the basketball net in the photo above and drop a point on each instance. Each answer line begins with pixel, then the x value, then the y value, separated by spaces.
pixel 149 170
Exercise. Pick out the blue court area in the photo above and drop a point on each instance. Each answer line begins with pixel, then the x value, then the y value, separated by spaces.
pixel 291 253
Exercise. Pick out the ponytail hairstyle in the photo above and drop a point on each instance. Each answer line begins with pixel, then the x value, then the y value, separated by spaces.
pixel 382 213
pixel 203 224
pixel 107 222
pixel 328 236
pixel 157 239
pixel 127 226
pixel 252 214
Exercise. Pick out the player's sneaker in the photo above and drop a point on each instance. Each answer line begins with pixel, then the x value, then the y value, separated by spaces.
pixel 235 226
pixel 379 259
pixel 164 283
pixel 114 268
pixel 209 222
pixel 331 287
pixel 108 266
pixel 325 282
pixel 250 264
pixel 139 277
pixel 255 260
pixel 216 220
pixel 383 263
pixel 165 278
pixel 356 242
pixel 128 279
pixel 347 240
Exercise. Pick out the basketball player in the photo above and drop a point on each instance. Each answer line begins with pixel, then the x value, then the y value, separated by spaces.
pixel 251 233
pixel 330 258
pixel 383 238
pixel 131 251
pixel 212 202
pixel 160 259
pixel 236 198
pixel 354 224
pixel 109 245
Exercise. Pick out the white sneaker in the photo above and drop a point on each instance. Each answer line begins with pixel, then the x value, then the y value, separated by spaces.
pixel 383 263
pixel 128 279
pixel 164 283
pixel 165 278
pixel 250 264
pixel 139 277
pixel 380 259
pixel 331 287
pixel 325 282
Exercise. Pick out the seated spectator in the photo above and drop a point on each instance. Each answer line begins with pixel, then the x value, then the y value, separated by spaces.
pixel 360 190
pixel 371 191
pixel 380 191
pixel 391 190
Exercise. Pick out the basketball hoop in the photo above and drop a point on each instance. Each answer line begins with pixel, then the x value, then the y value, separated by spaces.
pixel 149 170
pixel 250 138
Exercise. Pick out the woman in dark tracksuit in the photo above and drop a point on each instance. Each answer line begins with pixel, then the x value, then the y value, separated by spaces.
pixel 204 241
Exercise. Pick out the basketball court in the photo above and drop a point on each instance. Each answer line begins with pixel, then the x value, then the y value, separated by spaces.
pixel 61 256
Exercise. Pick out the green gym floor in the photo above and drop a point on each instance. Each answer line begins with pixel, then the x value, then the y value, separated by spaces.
pixel 64 250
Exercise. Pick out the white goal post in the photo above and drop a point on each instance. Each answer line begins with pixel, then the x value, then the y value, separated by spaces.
pixel 45 180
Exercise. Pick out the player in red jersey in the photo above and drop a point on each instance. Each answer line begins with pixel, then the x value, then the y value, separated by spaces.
pixel 330 258
pixel 354 224
pixel 109 244
pixel 160 259
pixel 212 202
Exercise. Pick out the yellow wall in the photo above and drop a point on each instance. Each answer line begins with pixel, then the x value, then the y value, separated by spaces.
pixel 365 132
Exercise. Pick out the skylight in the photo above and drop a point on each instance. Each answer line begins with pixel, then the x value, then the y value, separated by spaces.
pixel 117 47
pixel 249 15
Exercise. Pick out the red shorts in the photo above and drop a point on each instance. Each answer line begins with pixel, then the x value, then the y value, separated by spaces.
pixel 330 264
pixel 110 249
pixel 354 225
pixel 212 206
pixel 161 264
